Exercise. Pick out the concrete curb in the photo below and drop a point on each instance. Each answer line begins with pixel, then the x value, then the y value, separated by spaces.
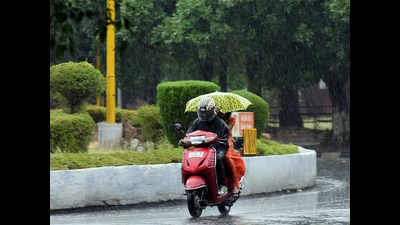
pixel 124 185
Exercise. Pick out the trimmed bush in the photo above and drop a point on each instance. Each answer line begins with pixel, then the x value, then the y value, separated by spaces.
pixel 99 114
pixel 148 118
pixel 70 132
pixel 68 161
pixel 259 107
pixel 76 83
pixel 126 114
pixel 172 97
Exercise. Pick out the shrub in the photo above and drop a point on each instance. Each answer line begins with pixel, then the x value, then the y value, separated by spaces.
pixel 66 161
pixel 76 83
pixel 269 147
pixel 125 114
pixel 98 114
pixel 172 98
pixel 70 132
pixel 259 107
pixel 148 118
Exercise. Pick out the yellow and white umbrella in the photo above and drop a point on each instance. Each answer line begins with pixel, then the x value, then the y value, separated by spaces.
pixel 225 101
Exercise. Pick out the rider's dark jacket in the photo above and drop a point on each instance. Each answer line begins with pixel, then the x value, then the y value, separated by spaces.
pixel 217 125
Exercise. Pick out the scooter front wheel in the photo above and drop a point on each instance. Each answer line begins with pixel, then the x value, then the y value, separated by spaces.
pixel 224 209
pixel 193 202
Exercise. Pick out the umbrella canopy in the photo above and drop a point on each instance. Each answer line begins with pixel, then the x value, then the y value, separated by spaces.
pixel 225 101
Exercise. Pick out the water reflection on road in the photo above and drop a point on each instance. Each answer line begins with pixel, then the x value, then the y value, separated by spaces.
pixel 326 203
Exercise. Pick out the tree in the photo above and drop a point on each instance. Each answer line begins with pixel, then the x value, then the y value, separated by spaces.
pixel 333 64
pixel 200 26
pixel 272 34
pixel 70 18
pixel 141 60
pixel 278 46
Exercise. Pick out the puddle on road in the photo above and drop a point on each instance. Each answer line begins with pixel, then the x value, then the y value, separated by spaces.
pixel 325 203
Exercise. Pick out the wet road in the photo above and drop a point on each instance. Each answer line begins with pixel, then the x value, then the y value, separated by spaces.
pixel 326 203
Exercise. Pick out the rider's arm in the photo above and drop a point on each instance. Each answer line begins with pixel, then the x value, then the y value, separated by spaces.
pixel 223 132
pixel 193 127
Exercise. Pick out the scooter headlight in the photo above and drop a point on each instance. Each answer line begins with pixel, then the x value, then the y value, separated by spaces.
pixel 195 140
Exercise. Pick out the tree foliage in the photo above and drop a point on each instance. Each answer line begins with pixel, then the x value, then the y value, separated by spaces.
pixel 276 46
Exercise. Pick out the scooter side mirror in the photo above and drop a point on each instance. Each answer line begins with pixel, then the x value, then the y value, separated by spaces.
pixel 179 128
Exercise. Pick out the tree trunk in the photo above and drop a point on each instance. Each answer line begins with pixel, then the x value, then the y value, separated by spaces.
pixel 154 82
pixel 207 68
pixel 340 126
pixel 339 92
pixel 253 83
pixel 223 75
pixel 289 114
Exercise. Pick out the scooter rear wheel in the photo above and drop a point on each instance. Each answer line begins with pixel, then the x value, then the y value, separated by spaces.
pixel 193 202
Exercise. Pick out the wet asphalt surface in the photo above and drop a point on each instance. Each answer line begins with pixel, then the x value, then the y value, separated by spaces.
pixel 328 202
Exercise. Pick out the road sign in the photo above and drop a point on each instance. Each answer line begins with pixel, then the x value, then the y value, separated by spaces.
pixel 242 120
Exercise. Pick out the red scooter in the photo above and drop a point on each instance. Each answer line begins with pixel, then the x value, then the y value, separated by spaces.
pixel 199 174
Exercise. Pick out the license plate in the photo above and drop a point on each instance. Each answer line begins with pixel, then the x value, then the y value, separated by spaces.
pixel 195 154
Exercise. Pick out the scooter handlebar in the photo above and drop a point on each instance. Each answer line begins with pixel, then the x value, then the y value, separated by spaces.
pixel 218 141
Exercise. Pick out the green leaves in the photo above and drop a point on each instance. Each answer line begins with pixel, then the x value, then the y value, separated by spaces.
pixel 196 21
pixel 76 82
pixel 70 133
pixel 172 98
pixel 67 161
pixel 304 35
pixel 269 147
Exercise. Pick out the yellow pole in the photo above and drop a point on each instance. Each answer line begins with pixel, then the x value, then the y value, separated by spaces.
pixel 110 75
pixel 250 141
pixel 98 103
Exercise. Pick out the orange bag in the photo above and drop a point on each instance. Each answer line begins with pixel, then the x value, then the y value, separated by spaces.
pixel 234 161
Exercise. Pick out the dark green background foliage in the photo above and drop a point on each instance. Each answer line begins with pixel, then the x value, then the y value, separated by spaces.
pixel 70 132
pixel 264 46
pixel 76 83
pixel 259 107
pixel 172 98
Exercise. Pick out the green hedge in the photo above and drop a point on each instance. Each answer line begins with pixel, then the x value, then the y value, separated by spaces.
pixel 98 113
pixel 259 107
pixel 70 132
pixel 148 118
pixel 67 161
pixel 172 97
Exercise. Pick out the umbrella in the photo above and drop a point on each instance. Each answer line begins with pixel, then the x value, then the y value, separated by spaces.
pixel 225 101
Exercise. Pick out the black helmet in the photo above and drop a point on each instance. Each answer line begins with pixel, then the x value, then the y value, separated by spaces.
pixel 206 110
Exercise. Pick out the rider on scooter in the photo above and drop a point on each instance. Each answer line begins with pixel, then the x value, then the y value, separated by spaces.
pixel 209 121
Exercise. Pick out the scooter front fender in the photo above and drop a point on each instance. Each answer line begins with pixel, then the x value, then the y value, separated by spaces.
pixel 195 182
